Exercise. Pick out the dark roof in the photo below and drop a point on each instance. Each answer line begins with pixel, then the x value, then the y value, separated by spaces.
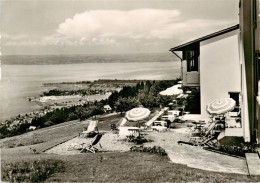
pixel 180 47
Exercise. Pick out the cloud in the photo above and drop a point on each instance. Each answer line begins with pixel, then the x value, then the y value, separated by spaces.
pixel 140 24
pixel 118 27
pixel 19 40
pixel 134 24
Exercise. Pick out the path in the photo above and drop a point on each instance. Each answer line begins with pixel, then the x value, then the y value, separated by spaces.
pixel 196 157
pixel 253 163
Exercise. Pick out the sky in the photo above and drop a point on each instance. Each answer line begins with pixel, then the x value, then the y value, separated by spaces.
pixel 109 26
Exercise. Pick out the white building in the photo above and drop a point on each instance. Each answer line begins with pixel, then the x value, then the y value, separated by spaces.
pixel 107 108
pixel 226 64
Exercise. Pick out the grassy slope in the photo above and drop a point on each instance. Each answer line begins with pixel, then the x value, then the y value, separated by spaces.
pixel 107 167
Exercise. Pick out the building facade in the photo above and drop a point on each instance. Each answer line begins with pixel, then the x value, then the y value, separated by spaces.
pixel 226 64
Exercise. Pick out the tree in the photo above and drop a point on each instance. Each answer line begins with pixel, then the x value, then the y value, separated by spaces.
pixel 125 104
pixel 149 100
pixel 165 100
pixel 97 111
pixel 113 98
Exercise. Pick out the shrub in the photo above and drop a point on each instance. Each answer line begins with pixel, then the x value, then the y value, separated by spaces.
pixel 48 123
pixel 37 171
pixel 238 150
pixel 153 150
pixel 136 139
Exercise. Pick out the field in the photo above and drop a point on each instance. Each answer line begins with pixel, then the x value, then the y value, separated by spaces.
pixel 106 166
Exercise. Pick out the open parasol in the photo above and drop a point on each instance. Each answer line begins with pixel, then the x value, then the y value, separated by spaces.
pixel 221 106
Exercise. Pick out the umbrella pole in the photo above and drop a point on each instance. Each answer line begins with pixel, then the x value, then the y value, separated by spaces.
pixel 139 129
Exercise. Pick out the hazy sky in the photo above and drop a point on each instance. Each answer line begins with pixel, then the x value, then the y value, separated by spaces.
pixel 109 26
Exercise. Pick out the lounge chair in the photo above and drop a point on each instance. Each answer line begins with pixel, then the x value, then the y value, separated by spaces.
pixel 159 128
pixel 204 131
pixel 122 122
pixel 91 131
pixel 92 146
pixel 205 140
pixel 115 127
pixel 204 137
pixel 76 147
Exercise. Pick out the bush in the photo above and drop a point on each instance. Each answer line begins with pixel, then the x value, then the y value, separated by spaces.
pixel 237 150
pixel 136 139
pixel 125 104
pixel 153 150
pixel 37 171
pixel 48 123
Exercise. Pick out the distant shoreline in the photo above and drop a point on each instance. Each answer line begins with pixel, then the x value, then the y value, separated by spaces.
pixel 81 59
pixel 82 63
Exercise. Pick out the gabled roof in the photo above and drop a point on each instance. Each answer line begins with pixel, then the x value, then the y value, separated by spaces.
pixel 180 47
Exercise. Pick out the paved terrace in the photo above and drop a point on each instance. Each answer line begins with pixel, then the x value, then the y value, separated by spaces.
pixel 253 163
pixel 194 156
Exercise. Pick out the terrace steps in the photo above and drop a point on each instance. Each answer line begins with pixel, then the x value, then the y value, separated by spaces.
pixel 253 163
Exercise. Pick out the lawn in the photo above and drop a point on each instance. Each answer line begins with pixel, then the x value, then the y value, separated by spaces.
pixel 130 167
pixel 55 133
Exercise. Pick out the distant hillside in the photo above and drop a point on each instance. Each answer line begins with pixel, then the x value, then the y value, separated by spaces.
pixel 76 59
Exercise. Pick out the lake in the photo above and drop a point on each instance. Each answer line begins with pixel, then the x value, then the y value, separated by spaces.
pixel 21 81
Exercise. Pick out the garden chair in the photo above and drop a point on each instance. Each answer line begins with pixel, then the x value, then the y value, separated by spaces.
pixel 233 120
pixel 113 127
pixel 92 147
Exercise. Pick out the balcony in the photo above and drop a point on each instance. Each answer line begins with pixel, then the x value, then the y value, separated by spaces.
pixel 191 78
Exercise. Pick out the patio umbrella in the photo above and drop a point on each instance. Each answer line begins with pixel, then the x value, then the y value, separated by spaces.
pixel 221 106
pixel 137 114
pixel 174 90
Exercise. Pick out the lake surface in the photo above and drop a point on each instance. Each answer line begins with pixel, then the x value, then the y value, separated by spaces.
pixel 21 81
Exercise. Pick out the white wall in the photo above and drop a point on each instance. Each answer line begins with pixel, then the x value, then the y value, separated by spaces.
pixel 244 109
pixel 219 69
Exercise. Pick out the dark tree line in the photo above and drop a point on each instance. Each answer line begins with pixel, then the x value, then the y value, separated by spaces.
pixel 83 92
pixel 55 117
pixel 144 93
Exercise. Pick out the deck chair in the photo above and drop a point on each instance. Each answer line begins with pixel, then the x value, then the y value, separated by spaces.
pixel 205 140
pixel 92 146
pixel 122 122
pixel 205 131
pixel 202 138
pixel 76 147
pixel 91 130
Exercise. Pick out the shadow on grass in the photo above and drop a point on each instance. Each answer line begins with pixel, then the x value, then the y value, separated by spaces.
pixel 36 171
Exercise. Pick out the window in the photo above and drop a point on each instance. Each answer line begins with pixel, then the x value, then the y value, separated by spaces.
pixel 192 58
pixel 235 96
